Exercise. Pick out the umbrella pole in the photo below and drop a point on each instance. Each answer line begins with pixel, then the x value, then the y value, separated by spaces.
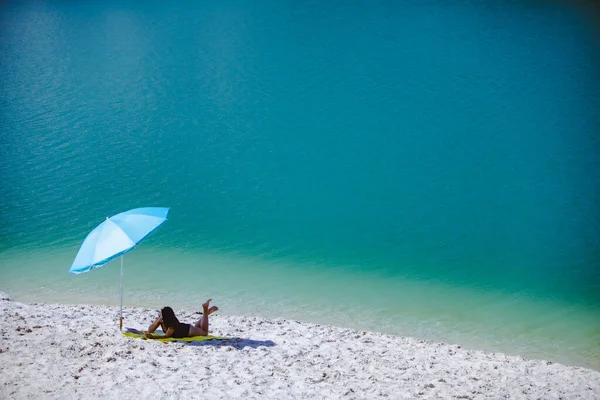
pixel 121 313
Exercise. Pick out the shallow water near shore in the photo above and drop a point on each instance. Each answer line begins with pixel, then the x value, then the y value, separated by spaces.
pixel 490 320
pixel 424 170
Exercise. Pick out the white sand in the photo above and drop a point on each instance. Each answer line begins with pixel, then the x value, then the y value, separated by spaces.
pixel 60 351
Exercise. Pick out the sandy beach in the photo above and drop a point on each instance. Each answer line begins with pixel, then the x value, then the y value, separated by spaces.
pixel 77 351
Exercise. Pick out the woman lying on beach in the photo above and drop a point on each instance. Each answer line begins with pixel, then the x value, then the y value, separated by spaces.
pixel 175 329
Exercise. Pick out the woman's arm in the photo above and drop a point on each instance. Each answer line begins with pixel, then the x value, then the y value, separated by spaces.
pixel 155 325
pixel 168 334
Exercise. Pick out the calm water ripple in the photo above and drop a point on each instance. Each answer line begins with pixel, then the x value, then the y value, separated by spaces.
pixel 438 160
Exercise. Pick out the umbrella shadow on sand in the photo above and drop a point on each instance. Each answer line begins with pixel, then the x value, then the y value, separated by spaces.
pixel 236 343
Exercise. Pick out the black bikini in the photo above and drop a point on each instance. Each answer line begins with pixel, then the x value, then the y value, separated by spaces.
pixel 181 331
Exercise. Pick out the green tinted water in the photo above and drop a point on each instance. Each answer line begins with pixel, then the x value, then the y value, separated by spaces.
pixel 427 170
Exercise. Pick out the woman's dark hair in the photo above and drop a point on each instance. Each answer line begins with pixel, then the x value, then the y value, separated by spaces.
pixel 169 318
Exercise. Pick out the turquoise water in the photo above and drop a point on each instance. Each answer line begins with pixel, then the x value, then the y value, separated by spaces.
pixel 425 170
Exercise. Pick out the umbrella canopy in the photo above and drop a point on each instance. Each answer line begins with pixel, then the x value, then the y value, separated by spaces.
pixel 115 237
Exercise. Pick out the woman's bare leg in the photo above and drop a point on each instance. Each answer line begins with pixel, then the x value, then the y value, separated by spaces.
pixel 203 322
pixel 200 328
pixel 211 310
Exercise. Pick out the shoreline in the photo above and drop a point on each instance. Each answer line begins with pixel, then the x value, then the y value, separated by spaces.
pixel 568 340
pixel 491 320
pixel 50 350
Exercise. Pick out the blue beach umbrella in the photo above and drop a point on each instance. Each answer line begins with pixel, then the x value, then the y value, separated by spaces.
pixel 115 237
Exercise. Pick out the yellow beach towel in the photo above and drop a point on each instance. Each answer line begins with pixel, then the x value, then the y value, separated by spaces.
pixel 137 334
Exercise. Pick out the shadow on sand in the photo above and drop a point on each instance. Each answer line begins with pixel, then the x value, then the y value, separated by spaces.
pixel 236 343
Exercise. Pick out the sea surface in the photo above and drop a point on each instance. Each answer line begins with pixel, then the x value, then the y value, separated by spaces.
pixel 428 169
